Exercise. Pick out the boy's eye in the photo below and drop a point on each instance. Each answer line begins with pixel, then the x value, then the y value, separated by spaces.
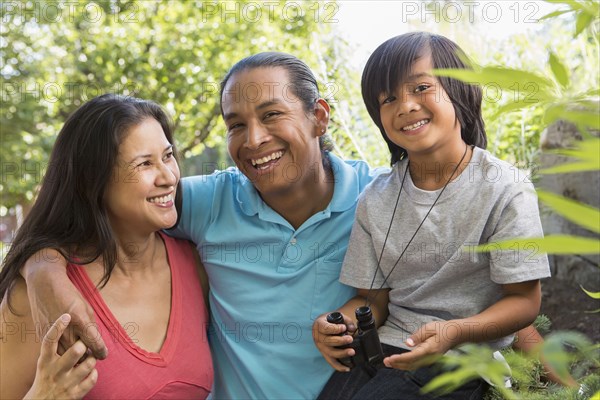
pixel 388 99
pixel 421 88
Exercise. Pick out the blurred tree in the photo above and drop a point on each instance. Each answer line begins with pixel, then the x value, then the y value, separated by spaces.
pixel 57 55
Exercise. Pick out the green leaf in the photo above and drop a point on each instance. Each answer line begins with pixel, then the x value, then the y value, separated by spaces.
pixel 583 119
pixel 511 107
pixel 593 295
pixel 559 70
pixel 584 19
pixel 558 358
pixel 586 151
pixel 573 4
pixel 555 14
pixel 551 244
pixel 579 213
pixel 506 78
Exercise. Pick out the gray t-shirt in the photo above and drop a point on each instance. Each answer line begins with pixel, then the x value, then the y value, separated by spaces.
pixel 438 277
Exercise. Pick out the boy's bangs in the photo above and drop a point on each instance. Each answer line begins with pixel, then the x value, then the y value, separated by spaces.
pixel 397 59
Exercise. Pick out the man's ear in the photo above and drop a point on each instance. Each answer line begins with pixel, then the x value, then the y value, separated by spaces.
pixel 322 116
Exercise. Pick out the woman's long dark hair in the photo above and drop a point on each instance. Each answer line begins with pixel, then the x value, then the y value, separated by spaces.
pixel 391 63
pixel 69 213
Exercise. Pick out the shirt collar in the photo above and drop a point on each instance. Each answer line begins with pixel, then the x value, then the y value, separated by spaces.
pixel 345 190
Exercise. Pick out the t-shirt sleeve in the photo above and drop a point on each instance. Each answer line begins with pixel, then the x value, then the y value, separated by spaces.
pixel 360 262
pixel 197 197
pixel 519 219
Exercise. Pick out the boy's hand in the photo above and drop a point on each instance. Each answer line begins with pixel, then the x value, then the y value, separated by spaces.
pixel 51 293
pixel 428 344
pixel 327 338
pixel 62 377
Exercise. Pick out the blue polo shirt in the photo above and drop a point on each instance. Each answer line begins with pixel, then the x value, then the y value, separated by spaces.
pixel 269 281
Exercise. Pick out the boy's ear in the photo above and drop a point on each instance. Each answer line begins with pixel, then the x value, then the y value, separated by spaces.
pixel 322 115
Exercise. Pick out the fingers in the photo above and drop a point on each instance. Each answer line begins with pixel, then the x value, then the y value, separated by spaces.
pixel 72 356
pixel 88 383
pixel 336 364
pixel 93 340
pixel 81 371
pixel 86 329
pixel 420 356
pixel 51 338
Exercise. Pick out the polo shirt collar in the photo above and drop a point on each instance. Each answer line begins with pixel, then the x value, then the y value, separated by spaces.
pixel 345 191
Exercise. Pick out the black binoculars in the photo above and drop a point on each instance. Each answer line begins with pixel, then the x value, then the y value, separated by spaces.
pixel 366 343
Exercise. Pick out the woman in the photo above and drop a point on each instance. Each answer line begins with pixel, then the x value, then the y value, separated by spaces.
pixel 109 189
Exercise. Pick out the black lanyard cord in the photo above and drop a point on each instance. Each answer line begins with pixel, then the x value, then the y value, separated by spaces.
pixel 367 302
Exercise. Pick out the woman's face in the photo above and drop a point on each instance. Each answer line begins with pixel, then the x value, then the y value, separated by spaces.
pixel 270 136
pixel 140 198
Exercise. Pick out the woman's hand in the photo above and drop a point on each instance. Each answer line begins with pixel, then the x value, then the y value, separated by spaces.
pixel 62 377
pixel 328 336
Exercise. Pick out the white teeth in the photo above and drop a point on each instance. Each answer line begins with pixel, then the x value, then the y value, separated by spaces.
pixel 161 199
pixel 415 125
pixel 274 156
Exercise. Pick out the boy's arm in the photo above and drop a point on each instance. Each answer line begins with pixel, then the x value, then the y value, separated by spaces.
pixel 517 309
pixel 327 336
pixel 51 294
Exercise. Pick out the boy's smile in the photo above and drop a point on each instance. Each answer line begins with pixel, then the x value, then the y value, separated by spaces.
pixel 419 116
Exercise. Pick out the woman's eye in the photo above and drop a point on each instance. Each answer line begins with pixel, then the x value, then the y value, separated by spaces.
pixel 169 155
pixel 144 164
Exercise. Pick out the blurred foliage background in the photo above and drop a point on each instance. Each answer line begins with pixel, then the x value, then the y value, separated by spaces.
pixel 55 55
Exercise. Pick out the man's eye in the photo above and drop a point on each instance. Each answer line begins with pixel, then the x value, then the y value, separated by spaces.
pixel 271 114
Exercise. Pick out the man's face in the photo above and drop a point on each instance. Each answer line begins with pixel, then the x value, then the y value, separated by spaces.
pixel 270 137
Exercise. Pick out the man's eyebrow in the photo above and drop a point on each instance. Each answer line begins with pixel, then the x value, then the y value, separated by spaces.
pixel 169 147
pixel 269 103
pixel 261 106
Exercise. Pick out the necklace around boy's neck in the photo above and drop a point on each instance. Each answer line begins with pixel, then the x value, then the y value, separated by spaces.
pixel 431 174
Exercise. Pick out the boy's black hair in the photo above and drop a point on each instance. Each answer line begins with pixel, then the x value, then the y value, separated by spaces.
pixel 391 63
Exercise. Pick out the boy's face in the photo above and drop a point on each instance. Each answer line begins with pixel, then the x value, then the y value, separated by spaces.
pixel 419 116
pixel 270 137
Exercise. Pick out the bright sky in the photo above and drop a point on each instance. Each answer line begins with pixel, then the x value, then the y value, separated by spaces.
pixel 367 24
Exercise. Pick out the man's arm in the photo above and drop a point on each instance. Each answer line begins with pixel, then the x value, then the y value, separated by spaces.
pixel 51 294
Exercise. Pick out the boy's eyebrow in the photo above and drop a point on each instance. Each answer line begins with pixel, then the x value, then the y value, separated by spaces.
pixel 419 75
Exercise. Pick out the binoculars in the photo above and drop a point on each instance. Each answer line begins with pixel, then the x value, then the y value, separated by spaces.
pixel 366 344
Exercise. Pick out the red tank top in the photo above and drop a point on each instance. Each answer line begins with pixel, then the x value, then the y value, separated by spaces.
pixel 182 369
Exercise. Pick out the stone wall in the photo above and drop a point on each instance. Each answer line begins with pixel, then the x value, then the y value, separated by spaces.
pixel 581 186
